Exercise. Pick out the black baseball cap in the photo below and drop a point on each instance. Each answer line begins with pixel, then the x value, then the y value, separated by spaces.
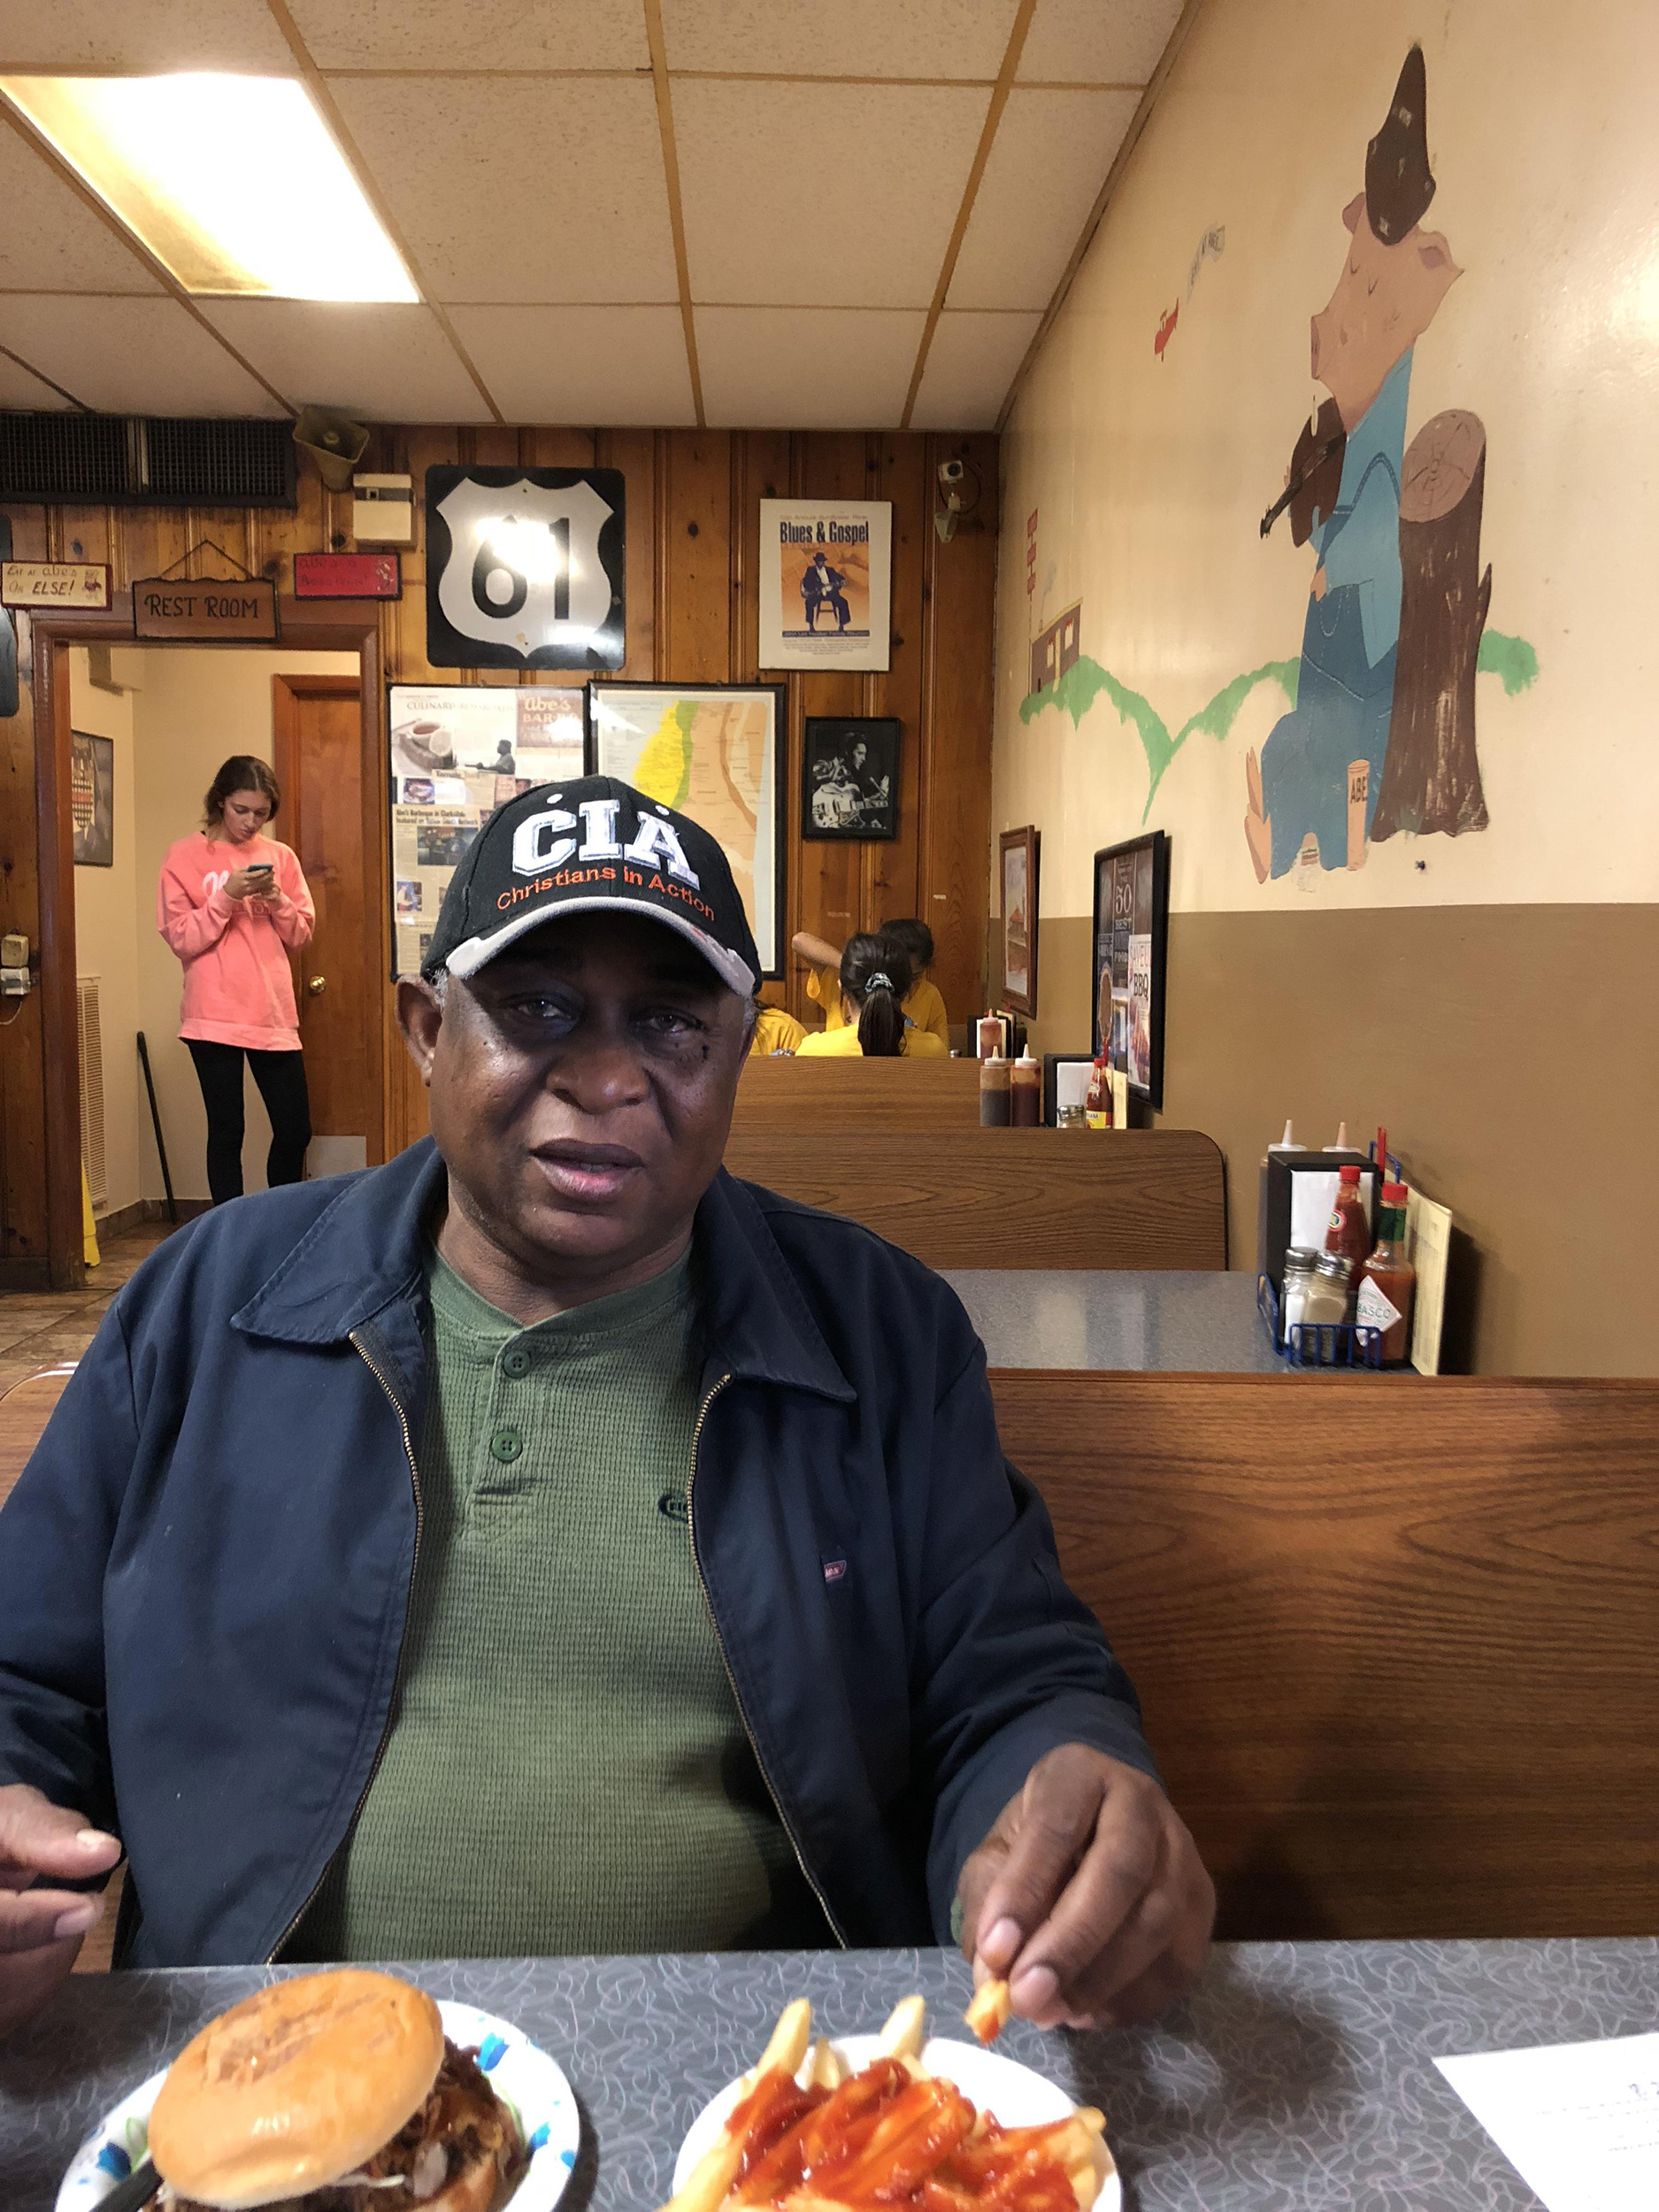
pixel 591 844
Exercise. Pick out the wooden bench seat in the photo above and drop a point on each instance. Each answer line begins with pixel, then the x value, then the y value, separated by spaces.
pixel 1397 1640
pixel 787 1094
pixel 973 1197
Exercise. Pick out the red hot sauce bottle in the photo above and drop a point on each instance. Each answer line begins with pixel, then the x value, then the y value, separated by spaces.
pixel 1387 1281
pixel 1348 1231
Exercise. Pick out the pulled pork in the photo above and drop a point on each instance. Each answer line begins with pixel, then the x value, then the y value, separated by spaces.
pixel 462 2121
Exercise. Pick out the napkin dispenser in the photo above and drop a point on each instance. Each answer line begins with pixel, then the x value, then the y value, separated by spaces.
pixel 1298 1193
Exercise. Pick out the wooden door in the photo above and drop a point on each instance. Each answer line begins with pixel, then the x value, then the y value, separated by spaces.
pixel 320 765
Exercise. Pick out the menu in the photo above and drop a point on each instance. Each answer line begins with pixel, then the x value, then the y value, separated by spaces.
pixel 458 751
pixel 1578 2122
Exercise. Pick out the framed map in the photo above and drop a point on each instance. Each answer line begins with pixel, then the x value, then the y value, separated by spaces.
pixel 712 752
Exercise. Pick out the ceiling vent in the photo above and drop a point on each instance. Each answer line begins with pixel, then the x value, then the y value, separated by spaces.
pixel 145 461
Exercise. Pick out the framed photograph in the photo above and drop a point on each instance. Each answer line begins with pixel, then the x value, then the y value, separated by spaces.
pixel 849 778
pixel 92 799
pixel 458 751
pixel 711 751
pixel 1131 927
pixel 826 583
pixel 1019 850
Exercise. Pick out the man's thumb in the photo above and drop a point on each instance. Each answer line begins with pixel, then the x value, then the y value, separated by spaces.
pixel 37 1837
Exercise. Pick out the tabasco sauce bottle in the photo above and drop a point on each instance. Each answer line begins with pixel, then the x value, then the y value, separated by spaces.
pixel 1388 1281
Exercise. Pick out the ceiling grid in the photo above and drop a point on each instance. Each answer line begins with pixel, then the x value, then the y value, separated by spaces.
pixel 635 211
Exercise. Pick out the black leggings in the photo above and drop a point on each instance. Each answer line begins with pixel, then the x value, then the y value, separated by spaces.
pixel 281 1079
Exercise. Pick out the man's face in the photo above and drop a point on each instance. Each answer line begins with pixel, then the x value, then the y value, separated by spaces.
pixel 581 1087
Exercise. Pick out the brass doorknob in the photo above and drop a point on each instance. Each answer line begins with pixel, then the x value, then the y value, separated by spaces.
pixel 318 985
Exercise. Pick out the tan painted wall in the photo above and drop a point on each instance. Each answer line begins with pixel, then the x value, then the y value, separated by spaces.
pixel 193 706
pixel 1489 996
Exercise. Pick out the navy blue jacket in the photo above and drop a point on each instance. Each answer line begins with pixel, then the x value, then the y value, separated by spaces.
pixel 206 1567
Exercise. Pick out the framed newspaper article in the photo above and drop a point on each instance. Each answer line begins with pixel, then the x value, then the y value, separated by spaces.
pixel 1131 927
pixel 826 582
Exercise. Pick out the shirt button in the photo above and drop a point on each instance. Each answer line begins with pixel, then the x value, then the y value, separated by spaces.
pixel 507 1445
pixel 515 1362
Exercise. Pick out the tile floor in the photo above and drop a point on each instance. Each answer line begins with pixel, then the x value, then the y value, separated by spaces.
pixel 40 1328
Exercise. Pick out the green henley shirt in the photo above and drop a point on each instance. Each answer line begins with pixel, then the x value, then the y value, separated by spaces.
pixel 566 1769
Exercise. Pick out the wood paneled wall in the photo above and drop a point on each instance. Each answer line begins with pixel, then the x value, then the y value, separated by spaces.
pixel 693 617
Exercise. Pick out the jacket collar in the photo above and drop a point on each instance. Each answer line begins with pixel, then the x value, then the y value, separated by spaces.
pixel 364 1250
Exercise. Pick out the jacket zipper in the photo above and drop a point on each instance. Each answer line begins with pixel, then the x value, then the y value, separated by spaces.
pixel 753 1745
pixel 385 1732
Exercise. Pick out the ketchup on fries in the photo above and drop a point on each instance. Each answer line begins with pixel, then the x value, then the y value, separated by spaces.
pixel 890 2135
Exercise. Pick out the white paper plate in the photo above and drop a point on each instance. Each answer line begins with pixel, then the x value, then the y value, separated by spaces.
pixel 521 2075
pixel 1011 2093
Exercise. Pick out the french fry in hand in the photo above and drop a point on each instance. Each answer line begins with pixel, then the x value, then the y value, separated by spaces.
pixel 988 2014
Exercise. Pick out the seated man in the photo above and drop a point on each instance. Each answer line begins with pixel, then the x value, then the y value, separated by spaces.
pixel 545 1543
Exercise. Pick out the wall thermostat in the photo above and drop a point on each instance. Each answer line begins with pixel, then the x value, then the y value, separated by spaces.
pixel 382 510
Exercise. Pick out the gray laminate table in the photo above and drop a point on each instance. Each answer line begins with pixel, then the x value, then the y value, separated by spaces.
pixel 1184 1321
pixel 1298 2076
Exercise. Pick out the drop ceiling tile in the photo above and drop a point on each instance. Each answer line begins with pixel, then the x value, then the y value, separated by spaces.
pixel 381 364
pixel 970 364
pixel 1097 41
pixel 853 38
pixel 611 365
pixel 527 191
pixel 141 35
pixel 131 356
pixel 50 241
pixel 20 387
pixel 806 368
pixel 450 34
pixel 1048 161
pixel 832 196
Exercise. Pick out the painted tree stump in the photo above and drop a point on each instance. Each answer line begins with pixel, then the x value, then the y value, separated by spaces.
pixel 1430 775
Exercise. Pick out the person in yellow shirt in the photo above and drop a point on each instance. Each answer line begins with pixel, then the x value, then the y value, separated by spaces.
pixel 924 1006
pixel 775 1031
pixel 874 978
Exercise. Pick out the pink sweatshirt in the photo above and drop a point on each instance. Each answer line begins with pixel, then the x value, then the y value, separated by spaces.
pixel 238 987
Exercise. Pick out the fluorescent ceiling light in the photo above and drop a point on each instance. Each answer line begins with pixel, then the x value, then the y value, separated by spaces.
pixel 173 157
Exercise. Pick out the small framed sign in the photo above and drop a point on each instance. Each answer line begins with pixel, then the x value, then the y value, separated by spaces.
pixel 1132 929
pixel 52 584
pixel 210 611
pixel 348 576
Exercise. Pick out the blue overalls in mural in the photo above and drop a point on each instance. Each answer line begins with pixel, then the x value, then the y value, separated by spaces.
pixel 1345 691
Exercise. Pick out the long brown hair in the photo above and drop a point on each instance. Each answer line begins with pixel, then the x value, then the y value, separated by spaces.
pixel 242 772
pixel 876 976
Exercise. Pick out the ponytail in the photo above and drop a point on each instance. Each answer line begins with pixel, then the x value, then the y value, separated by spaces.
pixel 876 975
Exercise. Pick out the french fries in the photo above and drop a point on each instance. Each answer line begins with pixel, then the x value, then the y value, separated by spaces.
pixel 988 2013
pixel 803 2128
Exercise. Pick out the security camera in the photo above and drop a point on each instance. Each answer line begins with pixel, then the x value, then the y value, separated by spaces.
pixel 951 472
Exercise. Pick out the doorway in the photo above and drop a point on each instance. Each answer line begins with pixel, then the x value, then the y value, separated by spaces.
pixel 329 752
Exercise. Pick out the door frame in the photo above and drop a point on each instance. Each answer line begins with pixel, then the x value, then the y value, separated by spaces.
pixel 287 691
pixel 307 626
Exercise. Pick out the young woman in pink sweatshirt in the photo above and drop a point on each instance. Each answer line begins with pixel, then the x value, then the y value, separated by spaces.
pixel 233 904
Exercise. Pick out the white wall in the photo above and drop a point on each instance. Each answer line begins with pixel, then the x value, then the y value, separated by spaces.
pixel 193 706
pixel 106 939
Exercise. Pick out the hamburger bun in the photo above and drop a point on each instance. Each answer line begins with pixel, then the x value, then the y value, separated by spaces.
pixel 296 2085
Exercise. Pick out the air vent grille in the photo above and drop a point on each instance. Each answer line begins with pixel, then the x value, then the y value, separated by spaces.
pixel 146 460
pixel 92 1153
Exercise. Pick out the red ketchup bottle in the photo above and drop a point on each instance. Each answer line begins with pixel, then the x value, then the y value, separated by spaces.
pixel 1348 1231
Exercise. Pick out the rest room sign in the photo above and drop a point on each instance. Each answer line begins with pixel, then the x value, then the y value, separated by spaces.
pixel 523 568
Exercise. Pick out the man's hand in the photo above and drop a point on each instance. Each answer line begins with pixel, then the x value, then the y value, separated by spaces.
pixel 1088 1896
pixel 1317 585
pixel 41 1929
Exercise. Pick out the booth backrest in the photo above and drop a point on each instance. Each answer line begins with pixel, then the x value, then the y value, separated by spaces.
pixel 1397 1639
pixel 973 1197
pixel 791 1094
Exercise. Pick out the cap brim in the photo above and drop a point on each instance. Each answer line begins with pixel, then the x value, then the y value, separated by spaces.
pixel 477 952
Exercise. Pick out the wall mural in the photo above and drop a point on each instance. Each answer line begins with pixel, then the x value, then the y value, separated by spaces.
pixel 1380 734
